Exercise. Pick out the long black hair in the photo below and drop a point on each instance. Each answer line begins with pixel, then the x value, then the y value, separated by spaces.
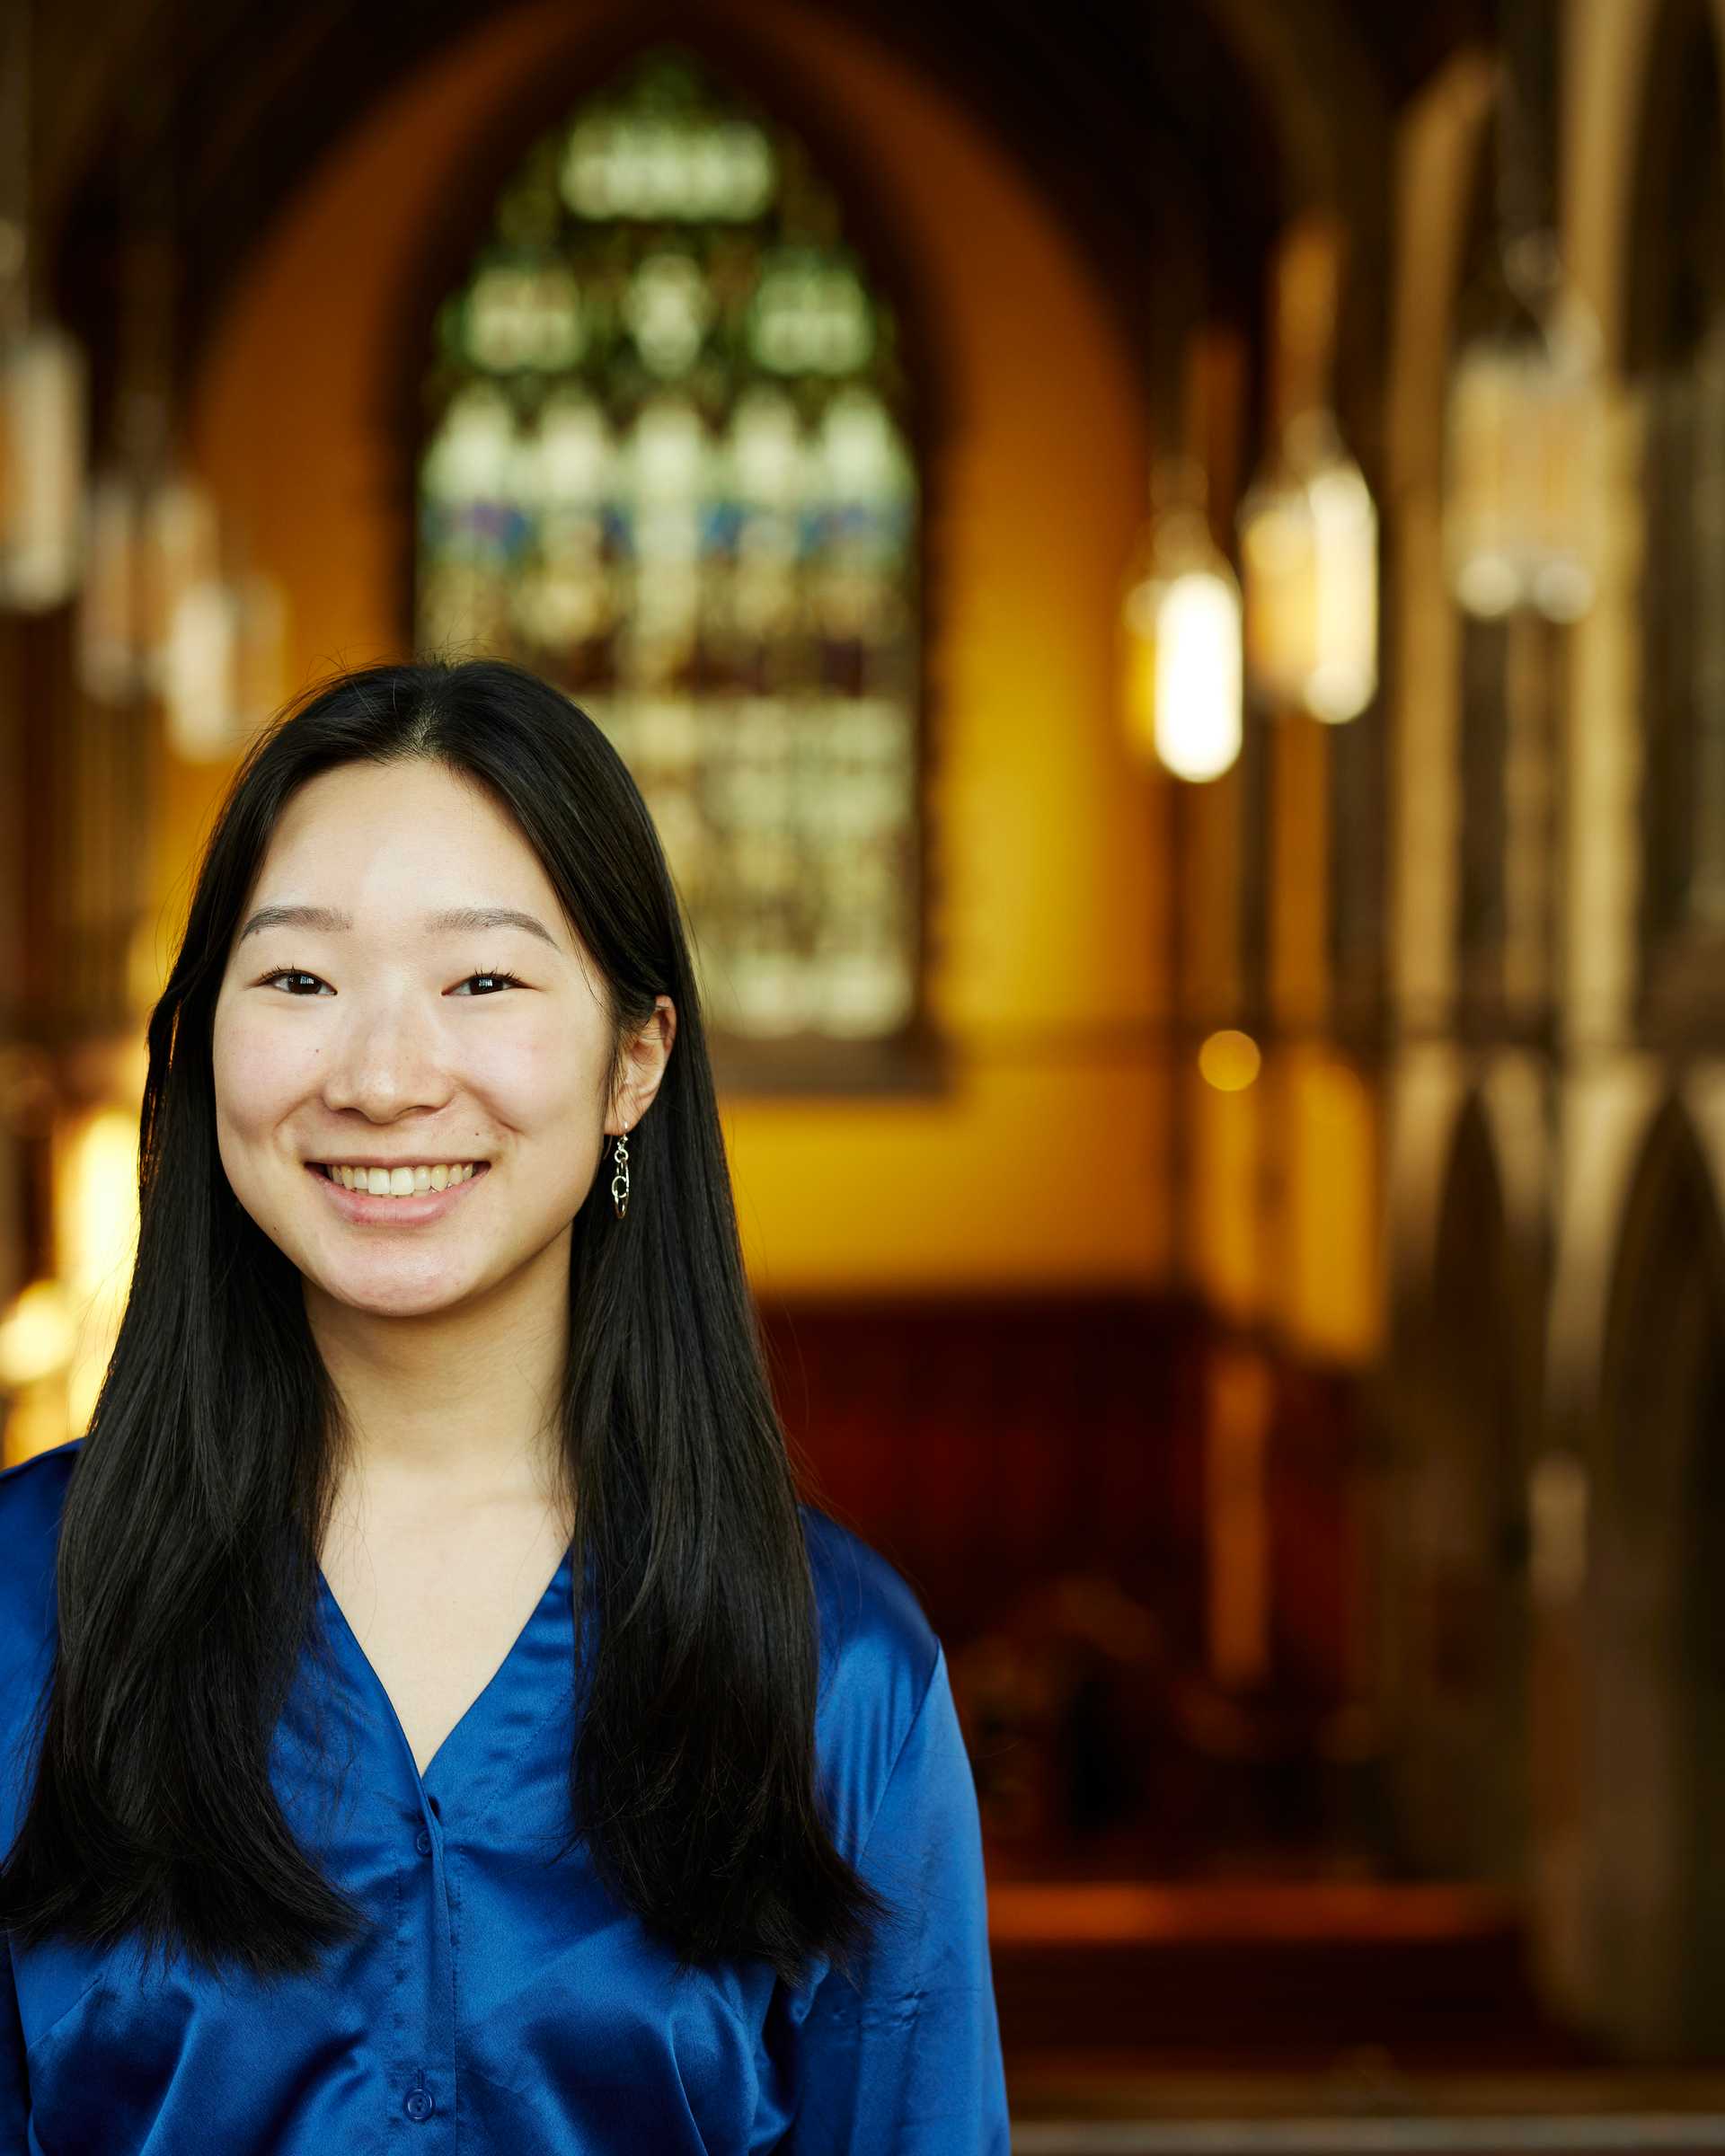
pixel 188 1557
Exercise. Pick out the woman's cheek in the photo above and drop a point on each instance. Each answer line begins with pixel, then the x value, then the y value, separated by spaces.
pixel 535 1072
pixel 248 1069
pixel 260 1070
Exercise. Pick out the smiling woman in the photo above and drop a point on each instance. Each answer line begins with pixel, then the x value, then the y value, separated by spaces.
pixel 357 1025
pixel 422 1689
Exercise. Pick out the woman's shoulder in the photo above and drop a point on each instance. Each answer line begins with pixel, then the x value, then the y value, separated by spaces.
pixel 32 1494
pixel 868 1609
pixel 33 1489
pixel 879 1658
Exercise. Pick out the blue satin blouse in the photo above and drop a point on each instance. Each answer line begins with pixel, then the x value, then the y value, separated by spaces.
pixel 500 2005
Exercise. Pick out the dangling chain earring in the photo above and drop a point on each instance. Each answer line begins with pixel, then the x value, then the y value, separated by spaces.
pixel 620 1180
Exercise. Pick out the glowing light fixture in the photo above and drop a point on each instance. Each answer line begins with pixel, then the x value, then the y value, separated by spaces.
pixel 1525 426
pixel 44 377
pixel 212 645
pixel 224 664
pixel 1308 542
pixel 1181 634
pixel 1308 525
pixel 151 536
pixel 1524 495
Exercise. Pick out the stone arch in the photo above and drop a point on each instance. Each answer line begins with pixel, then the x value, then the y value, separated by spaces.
pixel 1468 1389
pixel 1657 1610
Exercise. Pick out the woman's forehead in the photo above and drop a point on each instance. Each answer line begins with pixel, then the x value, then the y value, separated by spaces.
pixel 379 837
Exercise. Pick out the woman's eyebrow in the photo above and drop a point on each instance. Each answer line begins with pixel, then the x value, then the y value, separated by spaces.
pixel 452 921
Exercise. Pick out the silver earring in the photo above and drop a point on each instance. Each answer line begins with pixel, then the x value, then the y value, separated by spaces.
pixel 620 1180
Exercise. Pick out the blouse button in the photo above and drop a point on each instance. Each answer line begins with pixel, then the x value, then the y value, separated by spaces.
pixel 422 1843
pixel 419 2106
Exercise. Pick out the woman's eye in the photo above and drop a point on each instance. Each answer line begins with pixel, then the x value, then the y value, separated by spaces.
pixel 492 975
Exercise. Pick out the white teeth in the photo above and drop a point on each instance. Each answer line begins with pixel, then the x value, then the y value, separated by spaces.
pixel 402 1182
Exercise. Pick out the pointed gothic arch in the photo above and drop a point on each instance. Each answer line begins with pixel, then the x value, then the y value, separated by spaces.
pixel 1463 1627
pixel 1657 1593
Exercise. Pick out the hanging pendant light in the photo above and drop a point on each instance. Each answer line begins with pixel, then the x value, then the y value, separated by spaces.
pixel 199 670
pixel 1525 494
pixel 1181 634
pixel 1525 426
pixel 181 554
pixel 1308 544
pixel 1308 525
pixel 224 664
pixel 43 387
pixel 44 377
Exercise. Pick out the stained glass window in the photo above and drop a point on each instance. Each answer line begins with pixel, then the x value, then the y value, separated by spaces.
pixel 667 466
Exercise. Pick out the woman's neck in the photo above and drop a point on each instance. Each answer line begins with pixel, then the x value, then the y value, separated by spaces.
pixel 457 1406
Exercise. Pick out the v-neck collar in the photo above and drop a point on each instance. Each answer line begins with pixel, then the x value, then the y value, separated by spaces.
pixel 536 1675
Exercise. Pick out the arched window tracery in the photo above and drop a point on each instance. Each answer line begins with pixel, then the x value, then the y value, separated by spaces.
pixel 668 464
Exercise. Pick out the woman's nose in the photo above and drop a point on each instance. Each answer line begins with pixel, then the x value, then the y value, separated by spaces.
pixel 382 1061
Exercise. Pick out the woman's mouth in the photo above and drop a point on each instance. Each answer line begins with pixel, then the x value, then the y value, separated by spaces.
pixel 406 1195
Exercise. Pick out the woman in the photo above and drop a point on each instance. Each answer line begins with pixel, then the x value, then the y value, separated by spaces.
pixel 336 1818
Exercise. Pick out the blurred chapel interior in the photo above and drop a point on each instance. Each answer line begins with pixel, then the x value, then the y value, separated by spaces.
pixel 1161 570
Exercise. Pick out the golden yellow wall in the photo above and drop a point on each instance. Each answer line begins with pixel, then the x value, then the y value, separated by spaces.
pixel 1045 1163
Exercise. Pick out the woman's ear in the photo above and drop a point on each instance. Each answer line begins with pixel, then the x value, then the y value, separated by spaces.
pixel 644 1060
